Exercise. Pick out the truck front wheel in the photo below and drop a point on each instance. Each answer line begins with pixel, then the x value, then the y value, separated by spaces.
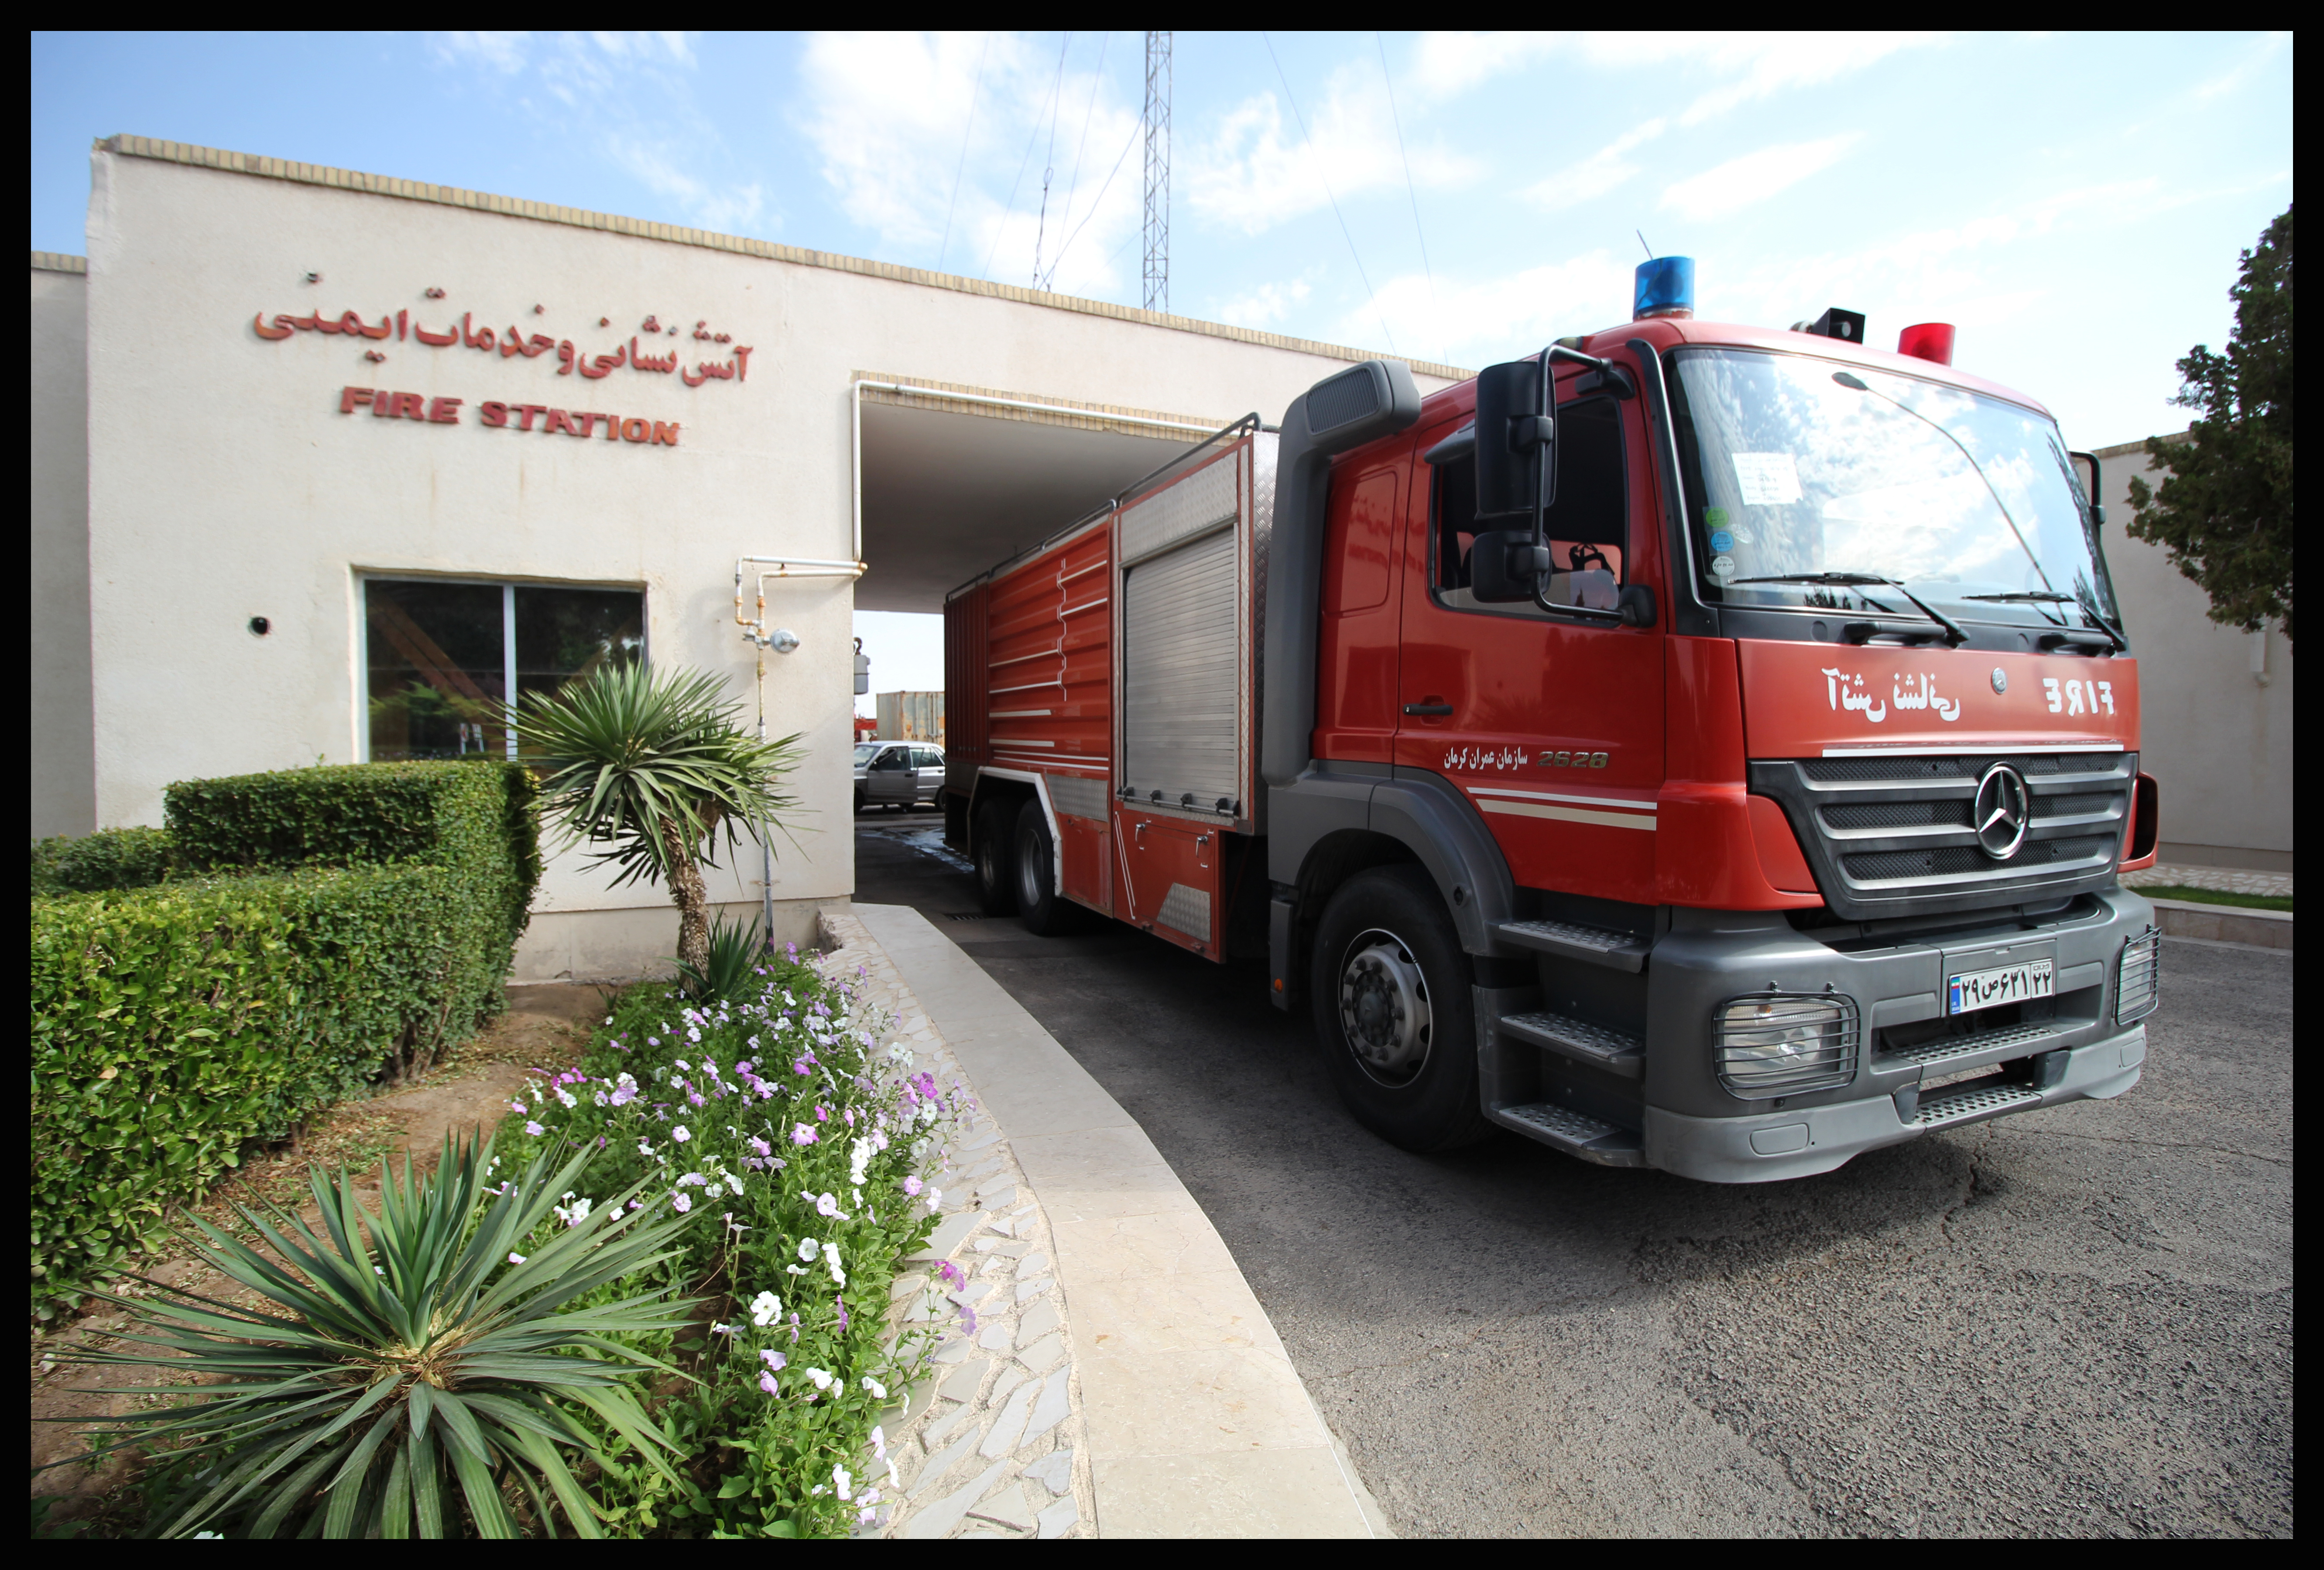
pixel 1389 989
pixel 996 888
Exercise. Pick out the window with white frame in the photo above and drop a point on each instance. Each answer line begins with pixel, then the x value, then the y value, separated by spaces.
pixel 441 657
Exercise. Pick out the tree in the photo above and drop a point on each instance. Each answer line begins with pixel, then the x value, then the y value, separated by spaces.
pixel 653 767
pixel 2225 512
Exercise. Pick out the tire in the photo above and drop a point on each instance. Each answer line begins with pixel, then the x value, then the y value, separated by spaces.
pixel 860 798
pixel 1388 987
pixel 1045 912
pixel 996 861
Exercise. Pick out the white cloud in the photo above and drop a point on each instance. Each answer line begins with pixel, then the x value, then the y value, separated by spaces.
pixel 1595 175
pixel 1269 303
pixel 1495 319
pixel 1256 170
pixel 1745 181
pixel 889 119
pixel 2233 79
pixel 1447 63
pixel 501 51
pixel 1759 64
pixel 631 97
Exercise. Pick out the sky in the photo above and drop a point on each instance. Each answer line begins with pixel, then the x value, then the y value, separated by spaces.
pixel 2074 204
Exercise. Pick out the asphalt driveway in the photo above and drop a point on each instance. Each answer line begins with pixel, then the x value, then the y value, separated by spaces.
pixel 2076 1321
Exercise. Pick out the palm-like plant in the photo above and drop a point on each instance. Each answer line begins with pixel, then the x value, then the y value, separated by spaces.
pixel 654 767
pixel 412 1349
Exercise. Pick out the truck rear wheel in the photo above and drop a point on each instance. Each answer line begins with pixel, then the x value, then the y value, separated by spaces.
pixel 1389 990
pixel 1044 910
pixel 996 885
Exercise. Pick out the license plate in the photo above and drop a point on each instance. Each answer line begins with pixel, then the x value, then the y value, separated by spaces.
pixel 2008 984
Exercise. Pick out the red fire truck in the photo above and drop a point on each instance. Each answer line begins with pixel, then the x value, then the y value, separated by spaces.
pixel 1695 746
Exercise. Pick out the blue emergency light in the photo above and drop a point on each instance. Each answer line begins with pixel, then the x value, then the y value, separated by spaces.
pixel 1665 287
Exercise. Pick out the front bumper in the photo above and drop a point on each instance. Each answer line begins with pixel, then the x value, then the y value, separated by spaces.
pixel 1769 1146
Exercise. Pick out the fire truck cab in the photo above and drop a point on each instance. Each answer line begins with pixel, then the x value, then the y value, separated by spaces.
pixel 1696 746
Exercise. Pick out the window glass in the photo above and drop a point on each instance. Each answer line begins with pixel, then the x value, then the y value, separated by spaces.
pixel 440 659
pixel 926 758
pixel 437 671
pixel 1589 519
pixel 1808 484
pixel 565 632
pixel 863 751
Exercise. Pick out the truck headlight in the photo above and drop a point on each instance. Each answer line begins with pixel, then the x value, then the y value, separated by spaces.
pixel 1780 1044
pixel 2138 977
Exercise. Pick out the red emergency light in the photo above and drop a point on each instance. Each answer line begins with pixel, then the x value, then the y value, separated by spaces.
pixel 1928 340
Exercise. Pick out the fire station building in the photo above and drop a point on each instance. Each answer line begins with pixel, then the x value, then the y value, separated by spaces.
pixel 326 466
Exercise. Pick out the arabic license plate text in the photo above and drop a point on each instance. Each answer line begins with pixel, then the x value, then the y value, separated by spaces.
pixel 2009 983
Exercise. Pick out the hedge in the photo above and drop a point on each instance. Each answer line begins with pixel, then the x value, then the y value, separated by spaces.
pixel 174 1024
pixel 117 858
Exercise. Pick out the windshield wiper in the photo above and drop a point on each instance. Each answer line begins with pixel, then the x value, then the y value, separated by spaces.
pixel 1955 634
pixel 2051 596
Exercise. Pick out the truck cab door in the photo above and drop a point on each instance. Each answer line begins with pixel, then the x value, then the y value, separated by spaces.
pixel 1551 728
pixel 1359 640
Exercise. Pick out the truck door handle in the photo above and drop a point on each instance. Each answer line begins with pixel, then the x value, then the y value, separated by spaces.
pixel 1438 708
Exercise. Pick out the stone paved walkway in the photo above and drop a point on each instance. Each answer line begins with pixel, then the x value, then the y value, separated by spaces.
pixel 1121 1378
pixel 2225 880
pixel 989 1445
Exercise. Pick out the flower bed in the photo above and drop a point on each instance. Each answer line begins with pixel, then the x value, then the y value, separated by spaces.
pixel 793 1138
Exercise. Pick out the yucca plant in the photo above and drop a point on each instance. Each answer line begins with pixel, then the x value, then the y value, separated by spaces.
pixel 732 958
pixel 410 1351
pixel 654 767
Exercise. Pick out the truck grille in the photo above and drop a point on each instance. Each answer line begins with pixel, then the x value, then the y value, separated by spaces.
pixel 1892 837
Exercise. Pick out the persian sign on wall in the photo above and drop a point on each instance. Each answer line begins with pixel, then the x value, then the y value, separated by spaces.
pixel 513 343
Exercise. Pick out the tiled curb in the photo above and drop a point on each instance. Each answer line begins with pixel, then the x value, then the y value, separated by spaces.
pixel 2223 923
pixel 989 1444
pixel 1184 1416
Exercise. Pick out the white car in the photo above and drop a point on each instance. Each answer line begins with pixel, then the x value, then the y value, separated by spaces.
pixel 897 773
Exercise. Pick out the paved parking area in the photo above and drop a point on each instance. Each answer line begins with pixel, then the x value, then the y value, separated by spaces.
pixel 2078 1321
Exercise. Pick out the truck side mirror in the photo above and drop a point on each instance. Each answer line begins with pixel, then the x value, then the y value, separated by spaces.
pixel 1516 454
pixel 1503 566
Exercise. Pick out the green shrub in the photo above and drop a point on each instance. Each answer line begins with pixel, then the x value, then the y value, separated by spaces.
pixel 112 858
pixel 172 1025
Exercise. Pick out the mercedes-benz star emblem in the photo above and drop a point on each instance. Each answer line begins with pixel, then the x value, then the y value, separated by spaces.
pixel 2005 809
pixel 2000 679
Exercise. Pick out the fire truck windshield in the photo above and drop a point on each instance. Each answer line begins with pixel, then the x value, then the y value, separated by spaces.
pixel 1814 486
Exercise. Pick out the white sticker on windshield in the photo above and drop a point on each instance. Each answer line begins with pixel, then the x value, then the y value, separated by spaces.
pixel 1766 479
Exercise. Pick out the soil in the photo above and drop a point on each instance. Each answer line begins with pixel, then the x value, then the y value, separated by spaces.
pixel 545 1027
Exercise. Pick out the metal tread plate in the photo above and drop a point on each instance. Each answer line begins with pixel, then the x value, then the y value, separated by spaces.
pixel 1592 1044
pixel 1575 1133
pixel 1972 1102
pixel 1598 945
pixel 1946 1047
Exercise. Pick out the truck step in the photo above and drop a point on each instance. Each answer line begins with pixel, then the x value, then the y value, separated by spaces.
pixel 1948 1052
pixel 1572 940
pixel 1973 1101
pixel 1575 1133
pixel 1594 1045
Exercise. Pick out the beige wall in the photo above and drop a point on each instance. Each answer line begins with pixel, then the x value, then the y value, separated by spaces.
pixel 2215 703
pixel 63 786
pixel 224 484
